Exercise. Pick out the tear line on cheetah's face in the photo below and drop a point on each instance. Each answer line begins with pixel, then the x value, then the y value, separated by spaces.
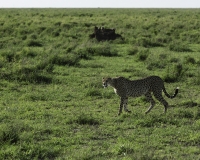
pixel 105 82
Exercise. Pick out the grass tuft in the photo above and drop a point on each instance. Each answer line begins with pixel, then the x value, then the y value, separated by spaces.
pixel 10 134
pixel 125 150
pixel 85 119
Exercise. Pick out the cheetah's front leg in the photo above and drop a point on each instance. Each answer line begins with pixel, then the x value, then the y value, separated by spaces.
pixel 121 106
pixel 126 105
pixel 123 102
pixel 150 99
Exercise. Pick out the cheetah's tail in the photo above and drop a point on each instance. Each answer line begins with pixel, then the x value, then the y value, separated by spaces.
pixel 169 96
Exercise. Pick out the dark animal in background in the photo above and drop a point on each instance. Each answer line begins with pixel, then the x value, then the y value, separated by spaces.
pixel 103 34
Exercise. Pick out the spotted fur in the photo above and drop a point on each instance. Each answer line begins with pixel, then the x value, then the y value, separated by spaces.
pixel 126 88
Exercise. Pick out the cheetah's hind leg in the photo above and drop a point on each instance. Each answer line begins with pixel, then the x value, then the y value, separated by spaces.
pixel 162 100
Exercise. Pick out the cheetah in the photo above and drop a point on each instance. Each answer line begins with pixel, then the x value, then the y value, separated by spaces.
pixel 134 88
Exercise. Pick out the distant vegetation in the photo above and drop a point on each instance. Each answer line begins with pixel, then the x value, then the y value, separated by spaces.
pixel 52 102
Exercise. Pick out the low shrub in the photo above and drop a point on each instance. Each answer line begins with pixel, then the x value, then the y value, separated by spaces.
pixel 27 52
pixel 179 47
pixel 148 42
pixel 132 50
pixel 45 66
pixel 189 103
pixel 157 61
pixel 185 114
pixel 105 50
pixel 189 60
pixel 155 121
pixel 169 79
pixel 33 36
pixel 156 64
pixel 175 74
pixel 192 36
pixel 2 63
pixel 197 113
pixel 85 119
pixel 85 53
pixel 174 60
pixel 33 77
pixel 142 55
pixel 29 73
pixel 163 39
pixel 197 78
pixel 69 59
pixel 56 33
pixel 34 43
pixel 143 41
pixel 37 151
pixel 9 55
pixel 93 92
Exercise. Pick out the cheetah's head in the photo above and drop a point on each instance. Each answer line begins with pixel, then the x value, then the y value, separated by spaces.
pixel 106 82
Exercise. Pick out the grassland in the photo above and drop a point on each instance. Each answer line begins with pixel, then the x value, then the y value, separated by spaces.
pixel 52 102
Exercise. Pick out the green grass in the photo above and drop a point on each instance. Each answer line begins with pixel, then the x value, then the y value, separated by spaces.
pixel 52 102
